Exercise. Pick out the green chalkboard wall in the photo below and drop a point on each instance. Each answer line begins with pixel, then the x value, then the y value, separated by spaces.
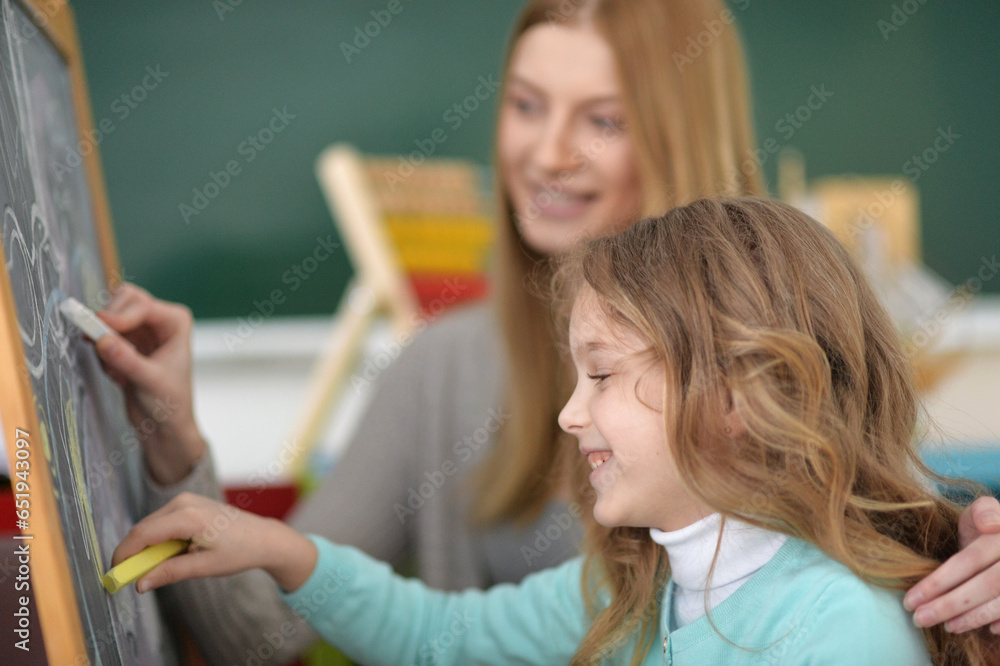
pixel 199 79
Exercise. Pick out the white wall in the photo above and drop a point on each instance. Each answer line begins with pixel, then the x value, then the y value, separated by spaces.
pixel 247 396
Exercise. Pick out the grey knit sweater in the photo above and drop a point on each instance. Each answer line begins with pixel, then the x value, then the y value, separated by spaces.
pixel 400 492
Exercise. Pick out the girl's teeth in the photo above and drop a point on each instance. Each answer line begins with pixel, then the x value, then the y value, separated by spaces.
pixel 598 458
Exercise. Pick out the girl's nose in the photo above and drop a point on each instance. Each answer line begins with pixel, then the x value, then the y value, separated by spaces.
pixel 573 417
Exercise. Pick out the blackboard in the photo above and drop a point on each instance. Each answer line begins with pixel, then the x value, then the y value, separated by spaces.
pixel 82 477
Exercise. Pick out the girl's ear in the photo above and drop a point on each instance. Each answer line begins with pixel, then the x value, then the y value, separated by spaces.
pixel 733 424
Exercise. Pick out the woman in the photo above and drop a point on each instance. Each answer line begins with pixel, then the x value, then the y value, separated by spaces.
pixel 456 463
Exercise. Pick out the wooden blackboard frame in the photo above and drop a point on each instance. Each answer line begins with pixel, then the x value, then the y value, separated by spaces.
pixel 59 618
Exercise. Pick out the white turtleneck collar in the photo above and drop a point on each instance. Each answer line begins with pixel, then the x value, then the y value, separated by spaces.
pixel 743 551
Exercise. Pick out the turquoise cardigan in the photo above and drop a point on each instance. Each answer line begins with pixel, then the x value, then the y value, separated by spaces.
pixel 801 608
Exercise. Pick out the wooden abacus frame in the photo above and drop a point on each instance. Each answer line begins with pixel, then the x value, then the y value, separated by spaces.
pixel 378 286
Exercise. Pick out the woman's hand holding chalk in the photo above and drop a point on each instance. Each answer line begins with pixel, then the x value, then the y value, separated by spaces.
pixel 223 541
pixel 149 355
pixel 141 564
pixel 84 318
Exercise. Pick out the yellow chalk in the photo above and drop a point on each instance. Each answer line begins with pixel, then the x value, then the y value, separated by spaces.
pixel 141 563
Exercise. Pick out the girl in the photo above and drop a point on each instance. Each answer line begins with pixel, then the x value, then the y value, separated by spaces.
pixel 597 126
pixel 746 415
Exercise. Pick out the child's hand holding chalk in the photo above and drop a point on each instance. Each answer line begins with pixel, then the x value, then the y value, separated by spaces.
pixel 141 564
pixel 223 541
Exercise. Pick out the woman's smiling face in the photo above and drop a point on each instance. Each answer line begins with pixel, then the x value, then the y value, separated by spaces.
pixel 564 152
pixel 616 414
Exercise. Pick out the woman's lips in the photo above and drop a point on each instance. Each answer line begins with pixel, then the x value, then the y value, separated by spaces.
pixel 561 204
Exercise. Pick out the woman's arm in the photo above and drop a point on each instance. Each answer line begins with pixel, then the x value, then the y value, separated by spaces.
pixel 359 604
pixel 149 355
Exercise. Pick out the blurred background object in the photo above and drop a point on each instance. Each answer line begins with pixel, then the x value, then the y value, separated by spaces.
pixel 418 236
pixel 884 94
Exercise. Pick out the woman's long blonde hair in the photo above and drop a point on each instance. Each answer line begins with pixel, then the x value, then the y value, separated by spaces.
pixel 755 309
pixel 690 126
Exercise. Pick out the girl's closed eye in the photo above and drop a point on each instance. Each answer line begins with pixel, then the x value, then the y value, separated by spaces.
pixel 599 377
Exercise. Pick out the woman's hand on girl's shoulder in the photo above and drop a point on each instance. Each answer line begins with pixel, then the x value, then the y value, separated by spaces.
pixel 964 592
pixel 224 541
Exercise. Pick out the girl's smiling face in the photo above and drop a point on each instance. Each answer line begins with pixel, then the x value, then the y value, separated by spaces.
pixel 616 414
pixel 564 153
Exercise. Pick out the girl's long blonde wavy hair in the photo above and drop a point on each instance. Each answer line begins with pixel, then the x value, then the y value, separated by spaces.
pixel 754 309
pixel 689 122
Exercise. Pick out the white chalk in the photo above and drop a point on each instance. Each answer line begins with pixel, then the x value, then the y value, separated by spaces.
pixel 84 318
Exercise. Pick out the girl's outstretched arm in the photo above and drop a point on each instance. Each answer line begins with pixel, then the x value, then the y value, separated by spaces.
pixel 964 592
pixel 224 541
pixel 358 604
